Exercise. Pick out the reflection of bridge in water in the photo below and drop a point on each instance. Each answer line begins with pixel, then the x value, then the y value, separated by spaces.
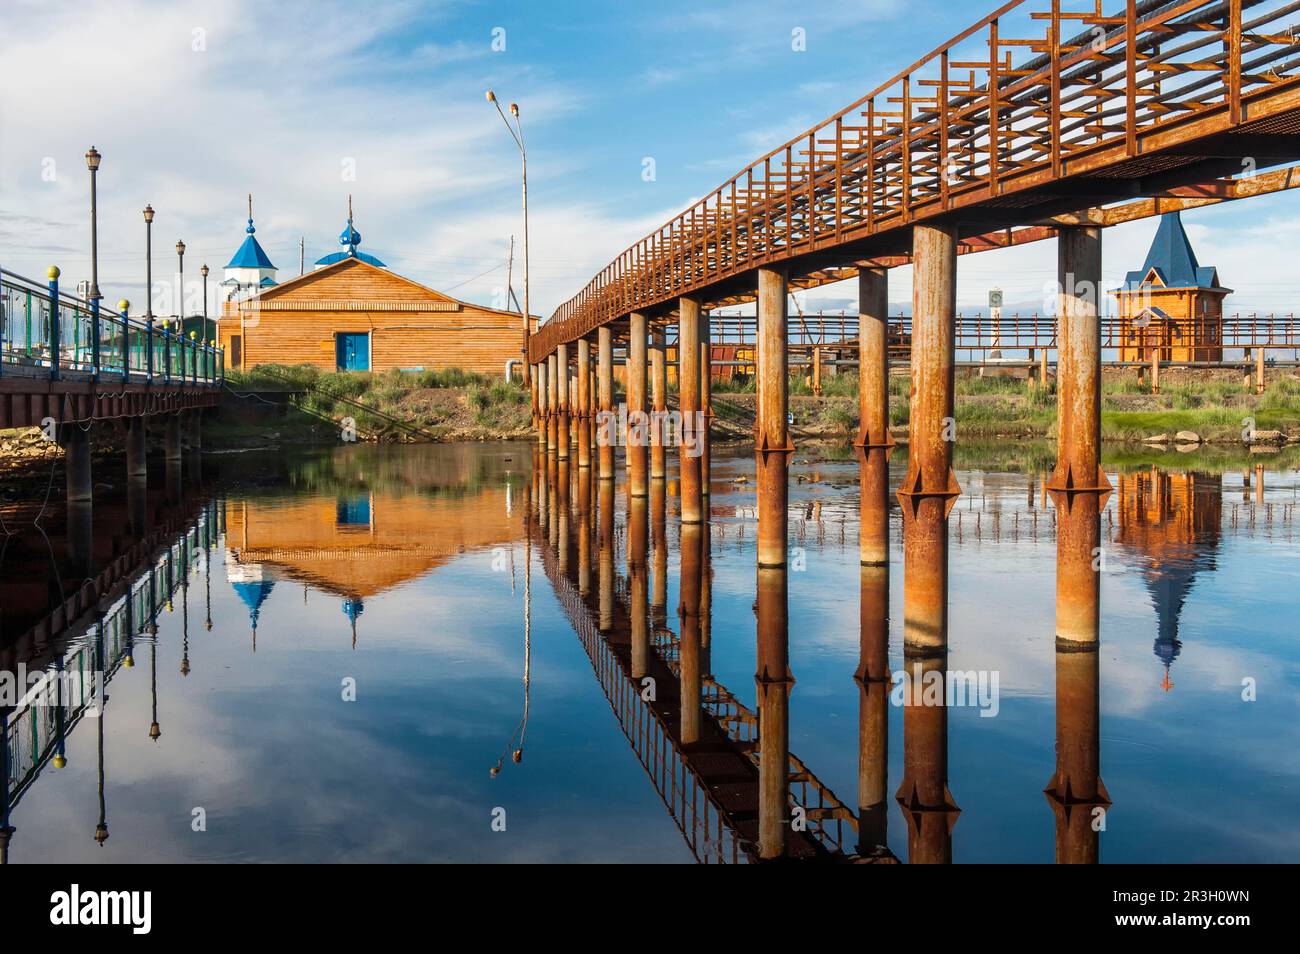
pixel 86 639
pixel 698 743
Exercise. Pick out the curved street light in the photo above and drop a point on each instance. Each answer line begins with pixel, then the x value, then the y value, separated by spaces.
pixel 517 134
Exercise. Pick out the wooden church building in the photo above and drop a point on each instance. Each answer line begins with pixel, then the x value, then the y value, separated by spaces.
pixel 1173 303
pixel 352 314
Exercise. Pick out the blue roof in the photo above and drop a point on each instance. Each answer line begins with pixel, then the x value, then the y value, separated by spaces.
pixel 366 257
pixel 250 254
pixel 1173 260
pixel 254 595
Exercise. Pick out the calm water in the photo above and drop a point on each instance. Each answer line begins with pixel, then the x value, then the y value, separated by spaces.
pixel 374 654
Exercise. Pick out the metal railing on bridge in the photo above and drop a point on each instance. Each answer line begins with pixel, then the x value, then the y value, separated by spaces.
pixel 47 333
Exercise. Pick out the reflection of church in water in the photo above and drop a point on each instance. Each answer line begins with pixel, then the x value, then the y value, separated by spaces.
pixel 354 546
pixel 1172 523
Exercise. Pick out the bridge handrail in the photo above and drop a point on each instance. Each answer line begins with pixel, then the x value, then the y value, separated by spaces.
pixel 1021 117
pixel 123 340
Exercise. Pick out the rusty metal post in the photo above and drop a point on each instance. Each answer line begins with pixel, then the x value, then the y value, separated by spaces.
pixel 774 682
pixel 1155 371
pixel 562 386
pixel 543 402
pixel 1259 370
pixel 552 403
pixel 927 803
pixel 688 400
pixel 1076 792
pixel 873 506
pixel 607 428
pixel 691 650
pixel 638 423
pixel 930 488
pixel 584 402
pixel 817 370
pixel 706 403
pixel 658 404
pixel 1078 484
pixel 772 445
pixel 638 608
pixel 873 359
pixel 874 685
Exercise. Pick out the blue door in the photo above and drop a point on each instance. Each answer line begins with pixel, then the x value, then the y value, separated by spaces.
pixel 352 351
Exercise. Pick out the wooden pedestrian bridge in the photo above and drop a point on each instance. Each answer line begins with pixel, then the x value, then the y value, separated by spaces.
pixel 1035 118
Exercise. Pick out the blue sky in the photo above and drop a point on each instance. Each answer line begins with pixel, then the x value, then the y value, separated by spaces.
pixel 194 104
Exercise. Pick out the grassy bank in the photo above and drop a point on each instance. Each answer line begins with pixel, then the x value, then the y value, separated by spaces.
pixel 1212 404
pixel 394 406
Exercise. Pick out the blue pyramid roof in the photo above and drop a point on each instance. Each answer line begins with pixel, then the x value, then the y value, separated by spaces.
pixel 254 595
pixel 1172 258
pixel 250 254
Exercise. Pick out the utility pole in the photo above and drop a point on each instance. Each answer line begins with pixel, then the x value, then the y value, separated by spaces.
pixel 302 255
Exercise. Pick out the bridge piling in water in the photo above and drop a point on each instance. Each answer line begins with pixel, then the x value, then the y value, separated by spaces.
pixel 606 432
pixel 773 447
pixel 930 488
pixel 927 803
pixel 584 402
pixel 658 403
pixel 689 631
pixel 637 451
pixel 688 399
pixel 562 386
pixel 706 404
pixel 873 358
pixel 539 382
pixel 552 403
pixel 873 682
pixel 774 683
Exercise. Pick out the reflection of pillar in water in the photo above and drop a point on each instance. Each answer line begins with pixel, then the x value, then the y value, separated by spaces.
pixel 689 618
pixel 706 404
pixel 137 505
pixel 637 518
pixel 706 603
pixel 584 530
pixel 774 683
pixel 873 506
pixel 605 494
pixel 81 539
pixel 1259 484
pixel 658 403
pixel 174 481
pixel 552 403
pixel 659 545
pixel 637 440
pixel 873 709
pixel 552 484
pixel 927 804
pixel 584 402
pixel 562 513
pixel 1076 792
pixel 1078 577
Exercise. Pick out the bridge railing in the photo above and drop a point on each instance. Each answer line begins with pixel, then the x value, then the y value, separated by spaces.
pixel 1034 91
pixel 45 332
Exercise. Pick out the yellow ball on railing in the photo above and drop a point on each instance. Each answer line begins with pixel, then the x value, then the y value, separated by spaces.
pixel 53 272
pixel 193 335
pixel 123 305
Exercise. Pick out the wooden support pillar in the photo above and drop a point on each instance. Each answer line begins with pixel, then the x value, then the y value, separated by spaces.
pixel 658 404
pixel 1259 370
pixel 706 403
pixel 543 397
pixel 638 422
pixel 774 684
pixel 873 359
pixel 1078 484
pixel 930 488
pixel 874 686
pixel 532 391
pixel 562 386
pixel 552 402
pixel 607 428
pixel 688 400
pixel 772 445
pixel 1078 365
pixel 1155 371
pixel 584 402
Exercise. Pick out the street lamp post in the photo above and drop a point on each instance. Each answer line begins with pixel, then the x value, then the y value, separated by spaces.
pixel 517 134
pixel 204 342
pixel 180 308
pixel 92 163
pixel 148 293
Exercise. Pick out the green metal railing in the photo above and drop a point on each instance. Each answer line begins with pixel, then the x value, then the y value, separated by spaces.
pixel 44 332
